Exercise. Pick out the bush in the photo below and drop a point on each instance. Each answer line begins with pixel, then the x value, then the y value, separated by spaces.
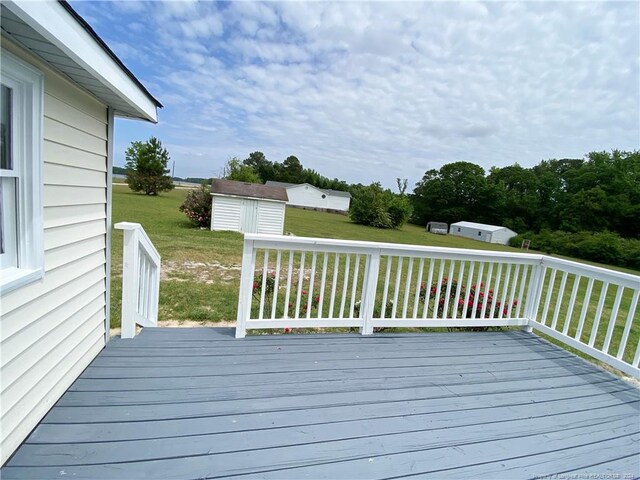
pixel 603 247
pixel 376 207
pixel 197 206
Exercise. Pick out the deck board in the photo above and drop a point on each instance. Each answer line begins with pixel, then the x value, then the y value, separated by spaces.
pixel 197 403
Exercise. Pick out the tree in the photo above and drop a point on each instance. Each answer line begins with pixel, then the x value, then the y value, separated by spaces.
pixel 147 167
pixel 292 170
pixel 458 191
pixel 402 185
pixel 261 166
pixel 238 171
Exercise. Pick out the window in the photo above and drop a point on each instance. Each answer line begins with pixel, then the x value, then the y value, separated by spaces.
pixel 479 234
pixel 21 117
pixel 458 228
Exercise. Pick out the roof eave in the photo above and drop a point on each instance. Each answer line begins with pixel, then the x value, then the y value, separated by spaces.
pixel 61 26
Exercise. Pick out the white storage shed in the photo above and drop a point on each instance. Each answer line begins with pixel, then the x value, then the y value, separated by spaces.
pixel 308 196
pixel 61 89
pixel 482 232
pixel 247 207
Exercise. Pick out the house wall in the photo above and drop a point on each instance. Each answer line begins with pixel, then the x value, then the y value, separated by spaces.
pixel 502 236
pixel 231 213
pixel 338 203
pixel 307 196
pixel 473 233
pixel 51 330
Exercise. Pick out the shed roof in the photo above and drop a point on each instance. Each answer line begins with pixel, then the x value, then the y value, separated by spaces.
pixel 328 191
pixel 245 189
pixel 57 34
pixel 480 226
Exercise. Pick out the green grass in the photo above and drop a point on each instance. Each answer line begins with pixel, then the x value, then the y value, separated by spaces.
pixel 201 268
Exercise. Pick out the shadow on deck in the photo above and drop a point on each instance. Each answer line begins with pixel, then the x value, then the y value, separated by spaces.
pixel 196 403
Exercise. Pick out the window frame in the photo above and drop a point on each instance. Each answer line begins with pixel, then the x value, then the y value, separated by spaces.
pixel 27 145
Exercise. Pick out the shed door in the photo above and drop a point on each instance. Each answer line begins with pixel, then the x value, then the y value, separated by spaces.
pixel 249 216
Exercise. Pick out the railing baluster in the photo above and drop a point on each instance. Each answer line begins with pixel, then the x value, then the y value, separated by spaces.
pixel 512 293
pixel 628 324
pixel 344 285
pixel 456 300
pixel 612 320
pixel 396 291
pixel 585 309
pixel 407 288
pixel 467 294
pixel 312 278
pixel 547 301
pixel 523 282
pixel 596 320
pixel 325 262
pixel 276 284
pixel 416 297
pixel 503 299
pixel 496 291
pixel 263 289
pixel 354 285
pixel 385 288
pixel 556 311
pixel 300 283
pixel 436 300
pixel 487 287
pixel 287 295
pixel 334 284
pixel 572 303
pixel 476 293
pixel 427 289
pixel 447 295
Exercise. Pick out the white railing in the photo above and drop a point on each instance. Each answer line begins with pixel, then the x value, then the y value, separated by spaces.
pixel 140 279
pixel 293 282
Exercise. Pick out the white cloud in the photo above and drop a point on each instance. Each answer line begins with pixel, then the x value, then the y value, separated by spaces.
pixel 374 90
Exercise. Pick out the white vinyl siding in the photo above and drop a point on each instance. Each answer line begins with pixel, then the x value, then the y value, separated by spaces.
pixel 247 215
pixel 307 196
pixel 50 330
pixel 225 213
pixel 499 235
pixel 338 203
pixel 271 218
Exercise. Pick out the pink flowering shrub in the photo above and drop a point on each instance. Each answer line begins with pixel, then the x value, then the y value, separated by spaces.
pixel 197 206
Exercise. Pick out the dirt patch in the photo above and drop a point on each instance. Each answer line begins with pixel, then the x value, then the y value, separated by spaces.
pixel 202 272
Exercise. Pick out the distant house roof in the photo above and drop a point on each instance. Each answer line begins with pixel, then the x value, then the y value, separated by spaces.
pixel 480 226
pixel 328 191
pixel 252 190
pixel 57 34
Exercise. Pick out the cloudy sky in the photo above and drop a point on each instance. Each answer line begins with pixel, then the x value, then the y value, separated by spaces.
pixel 371 91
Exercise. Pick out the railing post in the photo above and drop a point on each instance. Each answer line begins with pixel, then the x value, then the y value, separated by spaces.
pixel 130 273
pixel 534 295
pixel 369 296
pixel 246 288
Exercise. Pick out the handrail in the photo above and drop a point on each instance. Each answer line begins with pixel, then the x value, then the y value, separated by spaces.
pixel 317 282
pixel 140 279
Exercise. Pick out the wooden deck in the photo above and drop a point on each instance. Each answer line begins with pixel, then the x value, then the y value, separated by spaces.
pixel 197 403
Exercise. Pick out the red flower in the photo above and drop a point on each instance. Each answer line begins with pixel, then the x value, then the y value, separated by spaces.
pixel 255 285
pixel 317 299
pixel 287 330
pixel 304 292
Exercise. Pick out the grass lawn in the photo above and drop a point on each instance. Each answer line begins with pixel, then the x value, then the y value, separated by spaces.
pixel 201 269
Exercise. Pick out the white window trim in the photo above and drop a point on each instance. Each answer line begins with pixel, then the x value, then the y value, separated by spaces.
pixel 30 189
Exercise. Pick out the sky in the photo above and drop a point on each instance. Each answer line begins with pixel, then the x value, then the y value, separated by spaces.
pixel 372 91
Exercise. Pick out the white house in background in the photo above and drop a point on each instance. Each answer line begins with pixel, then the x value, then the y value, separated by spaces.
pixel 61 88
pixel 247 207
pixel 482 232
pixel 305 195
